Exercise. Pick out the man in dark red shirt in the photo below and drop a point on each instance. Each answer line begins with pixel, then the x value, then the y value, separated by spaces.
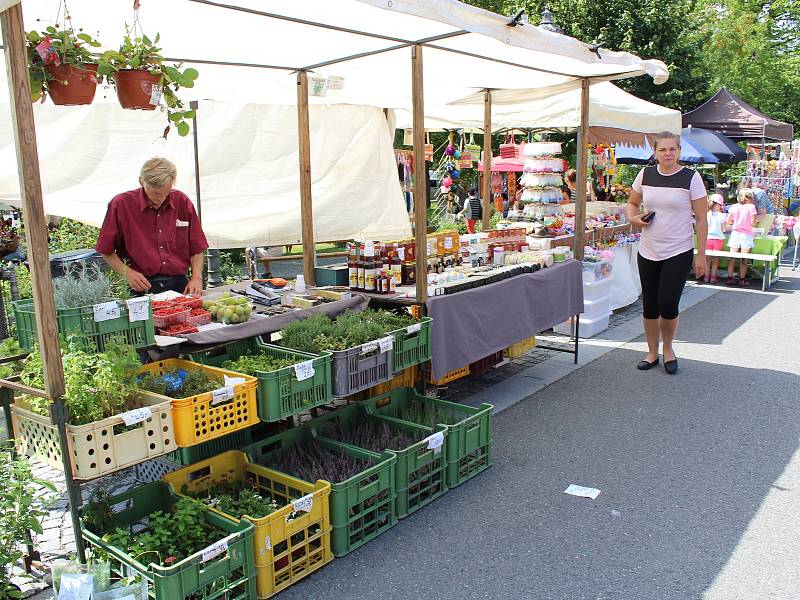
pixel 152 235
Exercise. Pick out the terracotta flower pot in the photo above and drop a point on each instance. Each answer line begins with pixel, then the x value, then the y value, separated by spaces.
pixel 70 85
pixel 135 89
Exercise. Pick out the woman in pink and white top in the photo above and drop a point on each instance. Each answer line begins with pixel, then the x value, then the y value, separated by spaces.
pixel 672 196
pixel 741 220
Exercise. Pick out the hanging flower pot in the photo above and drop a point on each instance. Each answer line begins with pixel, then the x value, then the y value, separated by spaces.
pixel 70 86
pixel 138 89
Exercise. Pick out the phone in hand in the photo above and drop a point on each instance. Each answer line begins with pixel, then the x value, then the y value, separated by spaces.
pixel 649 216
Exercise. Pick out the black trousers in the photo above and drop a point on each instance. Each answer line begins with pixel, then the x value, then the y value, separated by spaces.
pixel 162 283
pixel 662 284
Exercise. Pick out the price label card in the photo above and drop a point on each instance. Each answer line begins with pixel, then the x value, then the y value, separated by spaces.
pixel 76 586
pixel 369 248
pixel 137 415
pixel 106 311
pixel 232 381
pixel 414 328
pixel 401 252
pixel 221 395
pixel 369 347
pixel 304 370
pixel 386 343
pixel 138 309
pixel 155 95
pixel 435 441
pixel 448 243
pixel 215 549
pixel 303 504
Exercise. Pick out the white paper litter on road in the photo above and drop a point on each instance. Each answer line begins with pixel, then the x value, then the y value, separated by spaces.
pixel 583 492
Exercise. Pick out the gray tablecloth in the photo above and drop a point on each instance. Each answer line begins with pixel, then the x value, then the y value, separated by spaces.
pixel 471 325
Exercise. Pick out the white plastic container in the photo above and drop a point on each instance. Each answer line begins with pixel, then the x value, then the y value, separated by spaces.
pixel 594 271
pixel 596 308
pixel 588 327
pixel 594 290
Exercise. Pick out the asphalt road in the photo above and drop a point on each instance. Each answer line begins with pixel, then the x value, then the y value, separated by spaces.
pixel 700 480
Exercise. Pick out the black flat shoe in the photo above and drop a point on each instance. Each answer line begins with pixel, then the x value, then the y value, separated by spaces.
pixel 671 366
pixel 643 365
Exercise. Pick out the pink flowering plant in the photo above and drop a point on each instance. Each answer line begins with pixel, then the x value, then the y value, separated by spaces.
pixel 57 46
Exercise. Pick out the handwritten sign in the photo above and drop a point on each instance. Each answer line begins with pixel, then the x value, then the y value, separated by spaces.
pixel 369 248
pixel 303 504
pixel 138 309
pixel 106 311
pixel 304 370
pixel 369 347
pixel 401 252
pixel 386 343
pixel 215 550
pixel 222 394
pixel 137 415
pixel 435 441
pixel 414 328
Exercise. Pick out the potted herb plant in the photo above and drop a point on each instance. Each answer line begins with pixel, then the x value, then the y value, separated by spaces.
pixel 142 78
pixel 22 508
pixel 60 64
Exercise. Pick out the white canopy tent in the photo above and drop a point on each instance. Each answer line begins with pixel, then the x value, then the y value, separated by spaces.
pixel 609 107
pixel 248 159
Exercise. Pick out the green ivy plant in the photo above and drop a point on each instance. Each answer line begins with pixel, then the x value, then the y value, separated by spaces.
pixel 66 47
pixel 22 508
pixel 140 52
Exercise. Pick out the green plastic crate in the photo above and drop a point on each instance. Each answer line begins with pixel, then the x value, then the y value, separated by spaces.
pixel 80 321
pixel 280 394
pixel 362 507
pixel 469 429
pixel 420 472
pixel 230 576
pixel 233 441
pixel 411 348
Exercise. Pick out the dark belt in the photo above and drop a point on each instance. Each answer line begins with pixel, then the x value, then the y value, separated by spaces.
pixel 161 283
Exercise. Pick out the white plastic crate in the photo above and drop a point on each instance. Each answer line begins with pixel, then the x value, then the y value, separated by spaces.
pixel 594 290
pixel 588 327
pixel 596 308
pixel 595 271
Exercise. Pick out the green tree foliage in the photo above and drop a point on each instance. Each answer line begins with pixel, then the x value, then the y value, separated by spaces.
pixel 647 28
pixel 753 49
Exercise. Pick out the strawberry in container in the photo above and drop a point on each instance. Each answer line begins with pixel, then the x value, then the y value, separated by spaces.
pixel 191 302
pixel 171 315
pixel 181 329
pixel 199 316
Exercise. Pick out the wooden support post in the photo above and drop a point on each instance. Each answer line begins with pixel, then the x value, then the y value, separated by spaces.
pixel 306 209
pixel 420 166
pixel 582 163
pixel 32 206
pixel 487 159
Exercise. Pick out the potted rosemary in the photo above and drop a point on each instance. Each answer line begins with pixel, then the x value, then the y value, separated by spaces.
pixel 142 79
pixel 61 65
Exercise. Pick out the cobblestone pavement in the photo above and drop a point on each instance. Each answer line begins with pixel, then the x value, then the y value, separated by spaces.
pixel 58 540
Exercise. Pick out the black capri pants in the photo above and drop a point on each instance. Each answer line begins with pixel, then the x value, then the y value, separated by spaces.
pixel 662 284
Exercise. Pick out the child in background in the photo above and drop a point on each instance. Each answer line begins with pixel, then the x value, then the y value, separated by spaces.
pixel 472 209
pixel 741 220
pixel 717 220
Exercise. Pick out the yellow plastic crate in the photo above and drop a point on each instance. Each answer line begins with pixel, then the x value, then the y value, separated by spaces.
pixel 406 378
pixel 198 419
pixel 289 544
pixel 448 377
pixel 520 348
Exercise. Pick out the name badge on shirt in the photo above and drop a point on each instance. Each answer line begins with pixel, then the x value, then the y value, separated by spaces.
pixel 180 223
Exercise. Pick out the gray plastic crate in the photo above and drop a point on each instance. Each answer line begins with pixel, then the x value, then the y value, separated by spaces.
pixel 355 370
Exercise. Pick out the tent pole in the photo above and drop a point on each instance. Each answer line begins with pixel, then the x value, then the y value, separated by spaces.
pixel 420 166
pixel 194 105
pixel 582 164
pixel 306 209
pixel 486 192
pixel 24 127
